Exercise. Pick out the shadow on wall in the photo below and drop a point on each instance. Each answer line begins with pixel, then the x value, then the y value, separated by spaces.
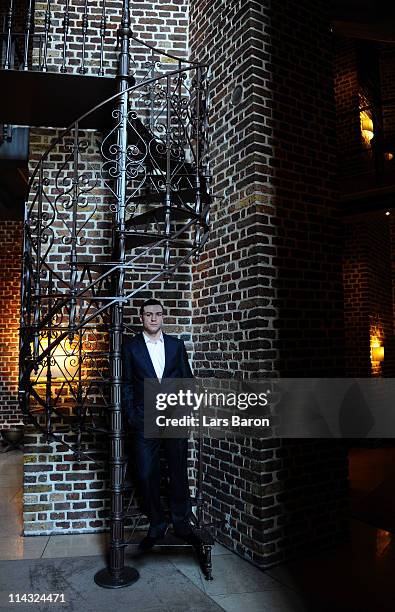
pixel 307 288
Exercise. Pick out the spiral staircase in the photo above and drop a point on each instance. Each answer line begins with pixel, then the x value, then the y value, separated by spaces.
pixel 119 199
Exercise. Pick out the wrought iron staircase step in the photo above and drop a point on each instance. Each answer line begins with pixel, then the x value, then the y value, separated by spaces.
pixel 42 99
pixel 99 266
pixel 179 182
pixel 134 514
pixel 99 381
pixel 204 536
pixel 73 404
pixel 102 430
pixel 158 214
pixel 182 196
pixel 70 406
pixel 140 239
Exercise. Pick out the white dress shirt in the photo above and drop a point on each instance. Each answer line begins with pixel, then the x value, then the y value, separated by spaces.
pixel 156 349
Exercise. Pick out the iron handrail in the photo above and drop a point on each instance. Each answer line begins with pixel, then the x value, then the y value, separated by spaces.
pixel 50 29
pixel 166 54
pixel 76 122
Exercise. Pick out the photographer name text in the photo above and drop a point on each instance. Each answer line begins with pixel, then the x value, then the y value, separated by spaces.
pixel 207 421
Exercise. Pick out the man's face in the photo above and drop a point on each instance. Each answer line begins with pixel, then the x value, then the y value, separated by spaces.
pixel 152 319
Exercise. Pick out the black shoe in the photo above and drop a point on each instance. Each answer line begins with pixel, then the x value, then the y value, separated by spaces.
pixel 149 541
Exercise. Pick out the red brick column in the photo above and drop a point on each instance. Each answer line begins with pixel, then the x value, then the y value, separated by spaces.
pixel 10 274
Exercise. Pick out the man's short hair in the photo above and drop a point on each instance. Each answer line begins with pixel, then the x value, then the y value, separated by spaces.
pixel 150 302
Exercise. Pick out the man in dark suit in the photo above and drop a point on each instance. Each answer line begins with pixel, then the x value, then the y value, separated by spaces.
pixel 153 354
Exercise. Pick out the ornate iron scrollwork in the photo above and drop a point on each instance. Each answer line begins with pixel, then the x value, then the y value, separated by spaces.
pixel 105 218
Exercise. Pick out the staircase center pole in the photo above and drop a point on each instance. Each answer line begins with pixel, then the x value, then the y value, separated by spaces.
pixel 116 575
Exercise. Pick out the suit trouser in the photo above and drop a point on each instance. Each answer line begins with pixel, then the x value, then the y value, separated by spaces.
pixel 147 455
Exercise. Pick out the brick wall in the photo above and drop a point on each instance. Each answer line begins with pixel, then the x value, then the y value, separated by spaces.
pixel 163 25
pixel 267 295
pixel 356 298
pixel 10 274
pixel 366 239
pixel 380 292
pixel 230 297
pixel 363 72
pixel 358 67
pixel 387 64
pixel 348 125
pixel 74 40
pixel 368 293
pixel 61 494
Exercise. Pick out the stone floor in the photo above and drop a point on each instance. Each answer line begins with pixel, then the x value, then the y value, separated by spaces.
pixel 357 576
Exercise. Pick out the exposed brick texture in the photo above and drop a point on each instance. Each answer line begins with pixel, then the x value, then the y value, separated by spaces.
pixel 368 293
pixel 160 24
pixel 74 39
pixel 267 296
pixel 348 125
pixel 387 64
pixel 61 494
pixel 363 76
pixel 387 67
pixel 356 291
pixel 10 268
pixel 367 241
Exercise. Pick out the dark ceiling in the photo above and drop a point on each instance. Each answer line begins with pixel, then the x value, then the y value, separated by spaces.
pixel 368 19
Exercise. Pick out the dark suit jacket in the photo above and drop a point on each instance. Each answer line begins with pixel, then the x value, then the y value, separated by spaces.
pixel 137 365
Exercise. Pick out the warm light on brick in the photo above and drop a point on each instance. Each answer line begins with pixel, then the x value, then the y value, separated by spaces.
pixel 366 127
pixel 10 267
pixel 377 353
